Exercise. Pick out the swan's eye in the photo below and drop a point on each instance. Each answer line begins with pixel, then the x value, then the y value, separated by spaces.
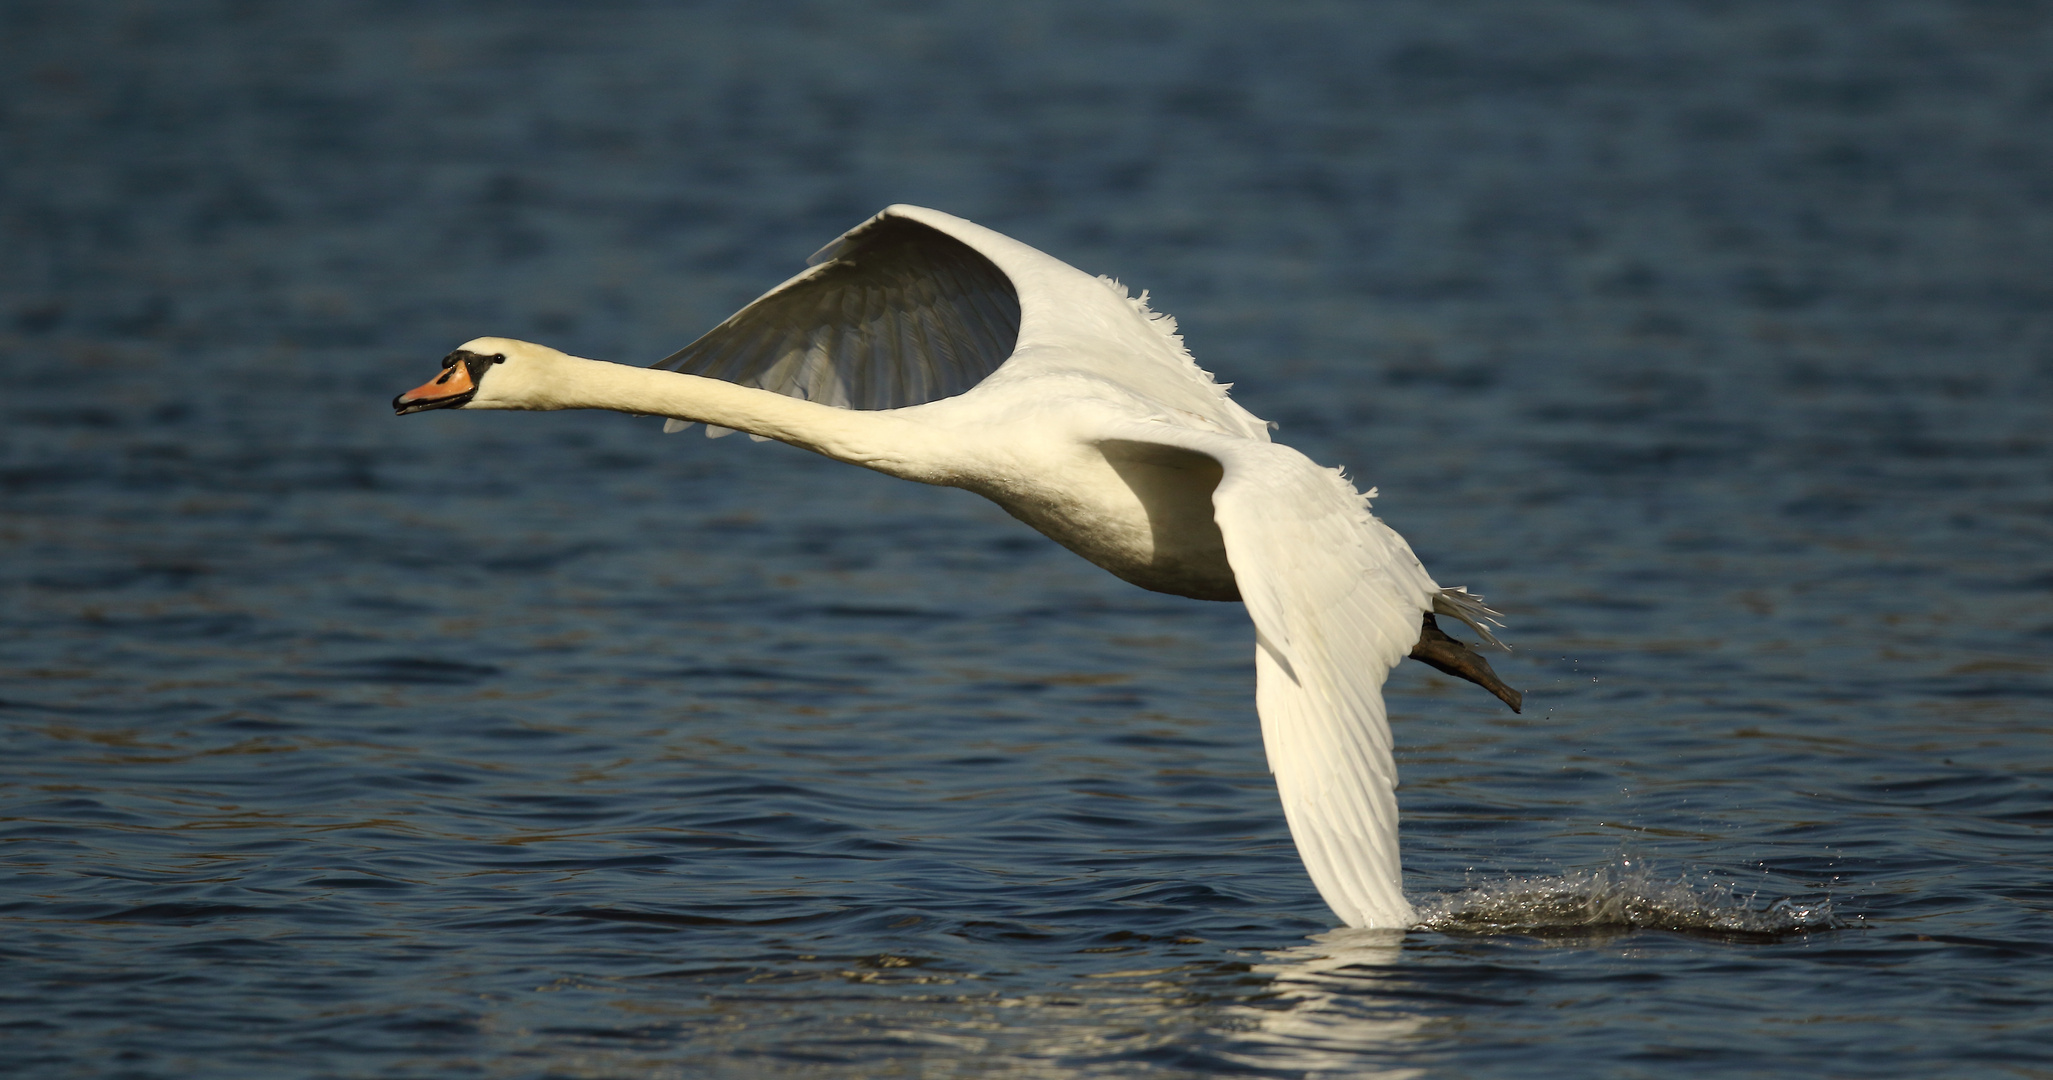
pixel 499 358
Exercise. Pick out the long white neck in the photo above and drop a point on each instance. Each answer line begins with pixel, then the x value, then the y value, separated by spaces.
pixel 872 439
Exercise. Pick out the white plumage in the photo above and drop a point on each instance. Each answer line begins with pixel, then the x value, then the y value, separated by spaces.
pixel 933 349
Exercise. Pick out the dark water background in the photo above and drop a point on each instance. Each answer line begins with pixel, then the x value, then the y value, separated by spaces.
pixel 1709 340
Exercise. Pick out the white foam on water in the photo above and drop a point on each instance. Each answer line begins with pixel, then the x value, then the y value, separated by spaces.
pixel 1629 894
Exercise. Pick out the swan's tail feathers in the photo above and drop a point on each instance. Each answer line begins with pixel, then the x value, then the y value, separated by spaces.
pixel 1459 603
pixel 673 425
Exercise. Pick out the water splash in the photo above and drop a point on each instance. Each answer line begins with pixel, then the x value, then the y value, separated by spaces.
pixel 1629 894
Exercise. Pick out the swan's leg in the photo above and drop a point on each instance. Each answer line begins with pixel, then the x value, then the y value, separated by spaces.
pixel 1457 659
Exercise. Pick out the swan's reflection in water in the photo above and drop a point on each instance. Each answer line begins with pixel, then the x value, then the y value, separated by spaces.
pixel 1327 1008
pixel 1331 1010
pixel 1345 1003
pixel 1338 1005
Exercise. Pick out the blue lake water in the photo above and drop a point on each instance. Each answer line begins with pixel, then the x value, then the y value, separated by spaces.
pixel 1712 342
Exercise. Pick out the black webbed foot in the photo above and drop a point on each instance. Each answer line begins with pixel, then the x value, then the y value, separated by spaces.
pixel 1455 658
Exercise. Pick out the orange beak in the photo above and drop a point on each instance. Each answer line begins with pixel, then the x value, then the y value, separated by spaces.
pixel 453 388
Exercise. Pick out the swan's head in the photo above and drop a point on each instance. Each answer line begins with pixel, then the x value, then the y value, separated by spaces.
pixel 487 373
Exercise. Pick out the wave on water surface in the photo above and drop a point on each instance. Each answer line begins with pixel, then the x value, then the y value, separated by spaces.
pixel 1626 895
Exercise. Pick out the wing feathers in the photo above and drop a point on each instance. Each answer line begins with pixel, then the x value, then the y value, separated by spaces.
pixel 896 313
pixel 1342 593
pixel 1335 596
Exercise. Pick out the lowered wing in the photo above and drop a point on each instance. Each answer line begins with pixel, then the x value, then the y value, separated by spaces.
pixel 1336 597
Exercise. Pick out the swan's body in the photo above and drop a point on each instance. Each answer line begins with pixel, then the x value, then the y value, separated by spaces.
pixel 933 349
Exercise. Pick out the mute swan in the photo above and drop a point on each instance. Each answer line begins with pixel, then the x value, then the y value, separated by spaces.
pixel 933 349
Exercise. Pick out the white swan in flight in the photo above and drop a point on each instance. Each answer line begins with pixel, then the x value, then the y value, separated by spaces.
pixel 930 348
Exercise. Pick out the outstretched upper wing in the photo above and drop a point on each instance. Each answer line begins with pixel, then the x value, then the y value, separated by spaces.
pixel 895 313
pixel 1336 597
